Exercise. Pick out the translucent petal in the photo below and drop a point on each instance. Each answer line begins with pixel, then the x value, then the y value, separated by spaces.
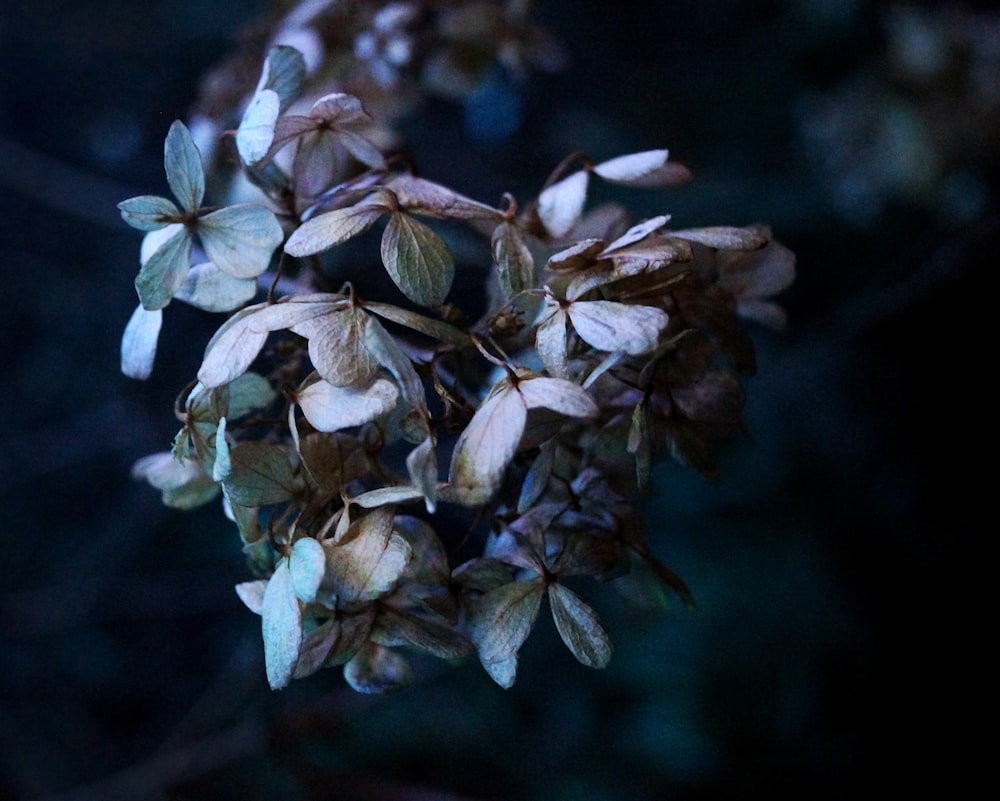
pixel 625 169
pixel 362 149
pixel 550 341
pixel 339 107
pixel 232 349
pixel 384 496
pixel 638 232
pixel 331 408
pixel 210 289
pixel 561 204
pixel 252 594
pixel 281 625
pixel 485 448
pixel 240 239
pixel 307 565
pixel 261 474
pixel 381 344
pixel 320 162
pixel 153 240
pixel 182 163
pixel 337 348
pixel 425 325
pixel 421 464
pixel 576 257
pixel 331 228
pixel 256 130
pixel 647 170
pixel 724 237
pixel 138 348
pixel 222 466
pixel 369 558
pixel 559 395
pixel 610 326
pixel 183 484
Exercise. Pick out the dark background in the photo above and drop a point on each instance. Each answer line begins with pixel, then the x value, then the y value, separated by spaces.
pixel 840 566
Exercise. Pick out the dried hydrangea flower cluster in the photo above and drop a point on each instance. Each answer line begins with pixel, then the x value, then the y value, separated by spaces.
pixel 413 465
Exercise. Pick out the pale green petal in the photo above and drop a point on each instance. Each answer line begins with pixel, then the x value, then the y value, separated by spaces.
pixel 148 212
pixel 239 240
pixel 163 273
pixel 153 240
pixel 182 162
pixel 248 393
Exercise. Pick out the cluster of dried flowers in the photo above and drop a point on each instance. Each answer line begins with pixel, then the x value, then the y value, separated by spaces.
pixel 412 466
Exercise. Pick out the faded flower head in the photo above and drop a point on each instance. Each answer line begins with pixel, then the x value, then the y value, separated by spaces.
pixel 362 436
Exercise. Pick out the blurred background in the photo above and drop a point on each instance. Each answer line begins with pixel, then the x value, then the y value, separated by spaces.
pixel 839 566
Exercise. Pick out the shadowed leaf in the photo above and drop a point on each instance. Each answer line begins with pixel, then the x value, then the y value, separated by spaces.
pixel 579 627
pixel 502 622
pixel 261 474
pixel 369 558
pixel 511 255
pixel 377 669
pixel 417 259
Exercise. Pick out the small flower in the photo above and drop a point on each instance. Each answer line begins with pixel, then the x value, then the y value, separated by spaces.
pixel 238 240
